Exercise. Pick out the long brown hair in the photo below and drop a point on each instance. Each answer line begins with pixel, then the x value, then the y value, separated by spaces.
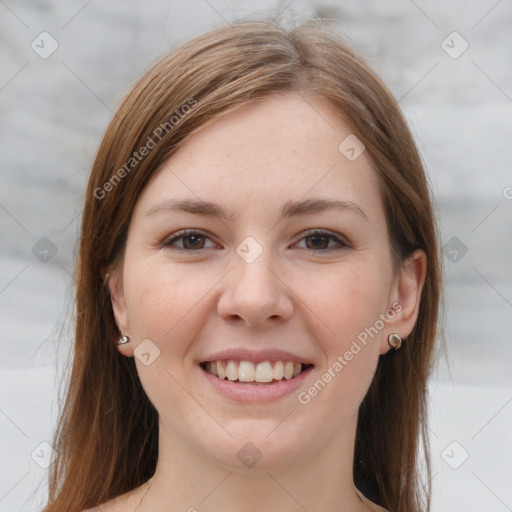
pixel 107 437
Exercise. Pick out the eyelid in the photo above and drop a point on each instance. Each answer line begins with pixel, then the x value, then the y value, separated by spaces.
pixel 183 233
pixel 342 241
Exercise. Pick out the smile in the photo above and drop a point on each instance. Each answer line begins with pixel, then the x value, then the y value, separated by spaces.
pixel 265 372
pixel 245 381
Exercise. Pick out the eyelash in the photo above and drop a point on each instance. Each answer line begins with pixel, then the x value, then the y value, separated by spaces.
pixel 169 242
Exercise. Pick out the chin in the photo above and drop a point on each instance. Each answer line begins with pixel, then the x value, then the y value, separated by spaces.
pixel 255 446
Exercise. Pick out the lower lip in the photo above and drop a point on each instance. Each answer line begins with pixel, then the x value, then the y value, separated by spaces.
pixel 256 392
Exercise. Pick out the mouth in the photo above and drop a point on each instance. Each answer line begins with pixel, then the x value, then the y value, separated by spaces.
pixel 263 373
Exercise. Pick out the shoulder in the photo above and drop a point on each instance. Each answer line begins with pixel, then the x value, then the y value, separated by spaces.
pixel 125 503
pixel 110 506
pixel 114 505
pixel 373 506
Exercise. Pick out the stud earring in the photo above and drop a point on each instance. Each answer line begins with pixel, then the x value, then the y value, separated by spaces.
pixel 123 340
pixel 395 341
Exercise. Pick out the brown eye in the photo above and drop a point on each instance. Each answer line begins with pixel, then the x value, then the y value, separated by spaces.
pixel 323 241
pixel 187 241
pixel 317 242
pixel 193 241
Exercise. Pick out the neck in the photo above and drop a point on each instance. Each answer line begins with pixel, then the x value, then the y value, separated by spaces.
pixel 187 479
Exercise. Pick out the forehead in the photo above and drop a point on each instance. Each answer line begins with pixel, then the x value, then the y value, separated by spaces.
pixel 277 149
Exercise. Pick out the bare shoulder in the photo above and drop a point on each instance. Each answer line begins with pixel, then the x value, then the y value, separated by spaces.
pixel 125 503
pixel 370 504
pixel 376 508
pixel 114 505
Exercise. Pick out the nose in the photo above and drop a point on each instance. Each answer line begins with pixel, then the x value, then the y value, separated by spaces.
pixel 255 294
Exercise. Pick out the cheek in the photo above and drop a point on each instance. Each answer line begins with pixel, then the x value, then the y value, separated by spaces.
pixel 163 303
pixel 348 301
pixel 169 301
pixel 350 304
pixel 162 300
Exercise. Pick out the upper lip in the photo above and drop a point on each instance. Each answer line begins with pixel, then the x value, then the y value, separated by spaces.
pixel 257 356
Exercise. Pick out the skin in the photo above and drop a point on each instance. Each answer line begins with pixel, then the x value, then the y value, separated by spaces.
pixel 309 297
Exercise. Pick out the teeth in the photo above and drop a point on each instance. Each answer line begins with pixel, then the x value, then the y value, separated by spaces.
pixel 278 370
pixel 231 371
pixel 264 372
pixel 246 371
pixel 220 370
pixel 288 371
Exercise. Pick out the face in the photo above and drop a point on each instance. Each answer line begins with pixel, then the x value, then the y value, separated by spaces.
pixel 259 242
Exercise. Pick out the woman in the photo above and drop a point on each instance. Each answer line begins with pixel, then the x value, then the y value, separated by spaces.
pixel 258 288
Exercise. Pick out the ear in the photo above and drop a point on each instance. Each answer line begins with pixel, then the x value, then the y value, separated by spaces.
pixel 114 281
pixel 405 298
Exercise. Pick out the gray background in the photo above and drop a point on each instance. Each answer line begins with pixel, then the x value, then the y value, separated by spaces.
pixel 54 110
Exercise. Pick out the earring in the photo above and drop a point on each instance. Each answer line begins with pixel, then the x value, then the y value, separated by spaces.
pixel 123 340
pixel 395 341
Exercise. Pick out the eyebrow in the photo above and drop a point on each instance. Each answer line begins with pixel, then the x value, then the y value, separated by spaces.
pixel 288 210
